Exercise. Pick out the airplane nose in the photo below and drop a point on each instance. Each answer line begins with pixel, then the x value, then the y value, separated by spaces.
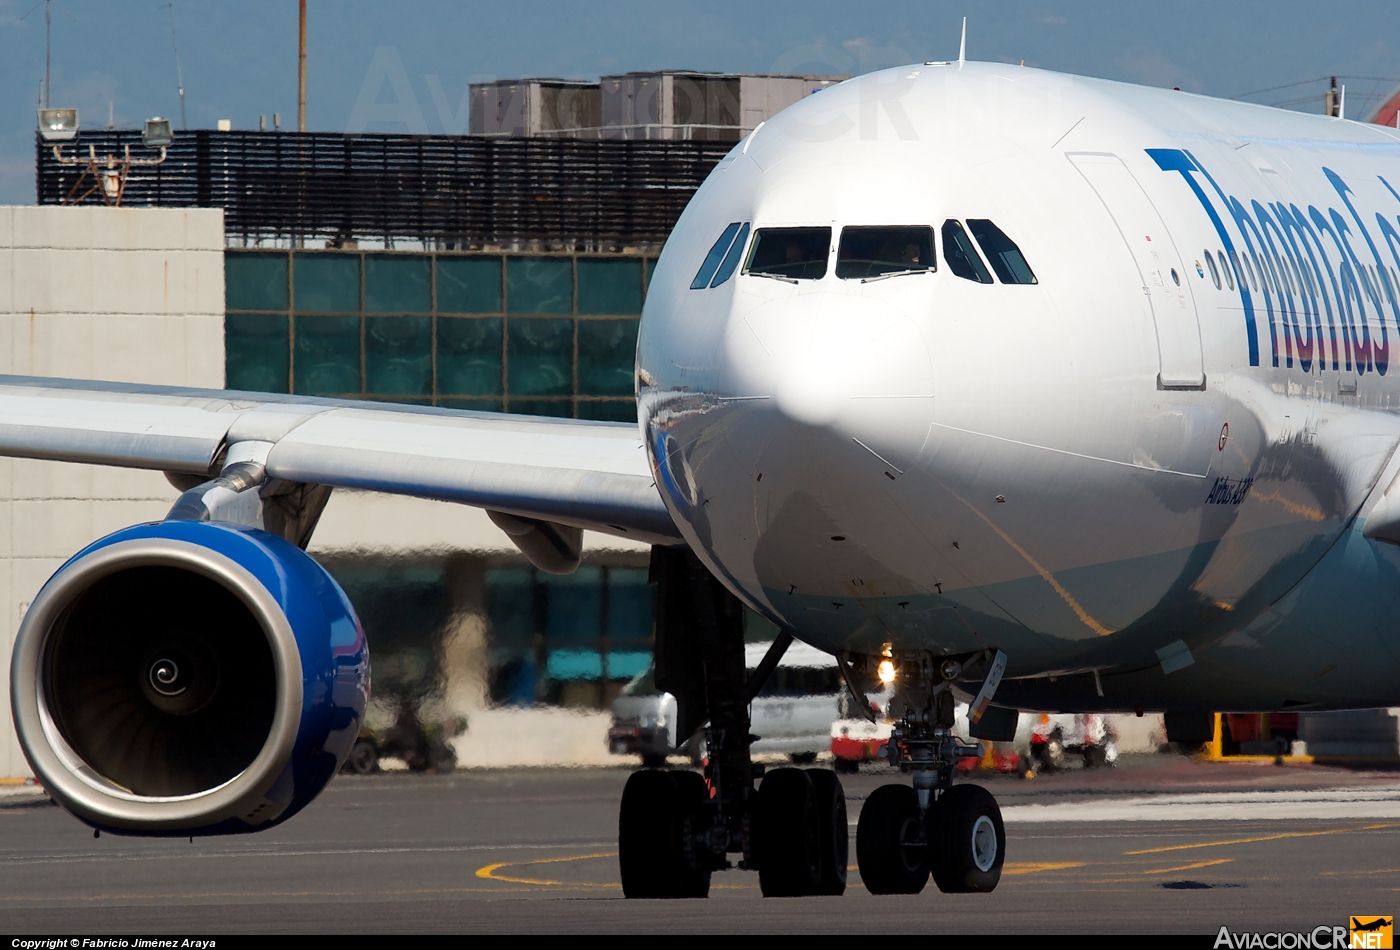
pixel 793 469
pixel 848 364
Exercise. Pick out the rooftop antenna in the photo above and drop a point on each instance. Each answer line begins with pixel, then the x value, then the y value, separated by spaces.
pixel 48 32
pixel 962 46
pixel 1342 103
pixel 301 66
pixel 179 77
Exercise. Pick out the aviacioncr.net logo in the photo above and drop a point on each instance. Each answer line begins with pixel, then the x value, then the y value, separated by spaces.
pixel 1373 932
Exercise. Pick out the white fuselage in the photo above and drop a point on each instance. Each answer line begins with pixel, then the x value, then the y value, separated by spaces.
pixel 1092 472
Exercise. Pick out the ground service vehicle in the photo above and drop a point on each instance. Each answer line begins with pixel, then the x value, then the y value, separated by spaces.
pixel 792 714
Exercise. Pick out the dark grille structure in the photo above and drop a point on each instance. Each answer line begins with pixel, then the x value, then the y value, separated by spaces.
pixel 445 191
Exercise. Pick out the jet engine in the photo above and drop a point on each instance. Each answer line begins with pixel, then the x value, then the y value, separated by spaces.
pixel 188 678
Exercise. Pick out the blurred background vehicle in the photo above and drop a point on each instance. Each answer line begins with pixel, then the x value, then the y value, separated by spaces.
pixel 422 746
pixel 1044 742
pixel 643 721
pixel 793 715
pixel 1056 738
pixel 854 741
pixel 795 710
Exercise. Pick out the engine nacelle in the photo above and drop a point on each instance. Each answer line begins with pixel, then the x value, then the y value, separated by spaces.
pixel 188 678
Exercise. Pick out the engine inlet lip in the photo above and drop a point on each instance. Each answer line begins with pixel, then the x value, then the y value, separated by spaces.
pixel 72 781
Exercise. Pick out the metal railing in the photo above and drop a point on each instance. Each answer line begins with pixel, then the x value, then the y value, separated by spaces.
pixel 443 191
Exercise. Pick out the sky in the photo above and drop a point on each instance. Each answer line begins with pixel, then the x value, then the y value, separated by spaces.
pixel 400 66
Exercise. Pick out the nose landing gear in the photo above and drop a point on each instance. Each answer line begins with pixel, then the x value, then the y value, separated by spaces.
pixel 906 834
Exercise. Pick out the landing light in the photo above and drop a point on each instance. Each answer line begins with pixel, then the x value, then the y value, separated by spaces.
pixel 886 672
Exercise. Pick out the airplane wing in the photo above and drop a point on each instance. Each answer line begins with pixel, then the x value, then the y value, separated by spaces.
pixel 586 474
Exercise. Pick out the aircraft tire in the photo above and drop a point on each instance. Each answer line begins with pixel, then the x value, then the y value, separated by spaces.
pixel 834 828
pixel 967 841
pixel 891 859
pixel 789 835
pixel 653 823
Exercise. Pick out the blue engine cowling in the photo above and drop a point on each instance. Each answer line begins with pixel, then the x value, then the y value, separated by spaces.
pixel 188 678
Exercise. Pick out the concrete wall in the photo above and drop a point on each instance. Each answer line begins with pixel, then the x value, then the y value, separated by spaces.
pixel 135 295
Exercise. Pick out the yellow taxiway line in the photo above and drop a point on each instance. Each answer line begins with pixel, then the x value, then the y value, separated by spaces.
pixel 1275 837
pixel 489 871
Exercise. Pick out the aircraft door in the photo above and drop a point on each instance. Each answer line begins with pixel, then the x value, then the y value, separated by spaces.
pixel 1165 280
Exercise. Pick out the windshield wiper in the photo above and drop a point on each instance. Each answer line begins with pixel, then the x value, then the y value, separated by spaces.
pixel 759 273
pixel 898 273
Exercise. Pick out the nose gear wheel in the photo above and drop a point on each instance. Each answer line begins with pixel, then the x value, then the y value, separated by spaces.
pixel 952 833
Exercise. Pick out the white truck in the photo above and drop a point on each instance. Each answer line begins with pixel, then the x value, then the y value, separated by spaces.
pixel 792 715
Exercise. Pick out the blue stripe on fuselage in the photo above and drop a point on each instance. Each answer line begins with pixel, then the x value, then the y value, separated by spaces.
pixel 1179 160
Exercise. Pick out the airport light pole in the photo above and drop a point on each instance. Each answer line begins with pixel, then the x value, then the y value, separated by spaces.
pixel 301 67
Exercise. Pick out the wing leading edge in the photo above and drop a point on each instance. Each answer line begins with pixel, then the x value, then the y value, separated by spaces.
pixel 591 475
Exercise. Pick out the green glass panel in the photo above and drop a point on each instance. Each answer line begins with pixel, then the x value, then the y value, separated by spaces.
pixel 469 356
pixel 256 352
pixel 255 281
pixel 397 284
pixel 399 355
pixel 510 606
pixel 326 283
pixel 631 604
pixel 651 269
pixel 607 354
pixel 469 284
pixel 609 286
pixel 608 410
pixel 561 408
pixel 477 405
pixel 540 354
pixel 327 355
pixel 574 605
pixel 539 285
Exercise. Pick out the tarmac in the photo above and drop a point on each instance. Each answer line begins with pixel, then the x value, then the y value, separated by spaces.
pixel 1159 844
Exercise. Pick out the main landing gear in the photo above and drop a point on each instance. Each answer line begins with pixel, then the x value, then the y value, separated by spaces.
pixel 672 835
pixel 676 828
pixel 953 833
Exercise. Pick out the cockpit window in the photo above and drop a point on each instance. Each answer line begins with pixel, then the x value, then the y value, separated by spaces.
pixel 790 253
pixel 961 255
pixel 712 259
pixel 732 259
pixel 1007 259
pixel 867 253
